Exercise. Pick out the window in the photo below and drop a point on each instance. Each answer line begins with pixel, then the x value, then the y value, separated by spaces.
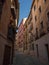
pixel 48 21
pixel 31 19
pixel 42 32
pixel 1 6
pixel 48 16
pixel 37 0
pixel 40 9
pixel 45 1
pixel 41 24
pixel 13 13
pixel 31 26
pixel 26 45
pixel 20 45
pixel 28 22
pixel 32 46
pixel 23 47
pixel 35 18
pixel 47 50
pixel 31 37
pixel 3 1
pixel 34 7
pixel 37 50
pixel 0 10
pixel 36 33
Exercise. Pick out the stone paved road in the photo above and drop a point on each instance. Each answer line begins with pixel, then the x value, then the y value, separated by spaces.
pixel 22 59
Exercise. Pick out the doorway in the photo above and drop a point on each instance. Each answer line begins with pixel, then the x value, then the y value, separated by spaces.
pixel 37 50
pixel 7 51
pixel 46 45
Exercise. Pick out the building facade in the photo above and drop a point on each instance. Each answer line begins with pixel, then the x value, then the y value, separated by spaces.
pixel 9 15
pixel 37 30
pixel 20 36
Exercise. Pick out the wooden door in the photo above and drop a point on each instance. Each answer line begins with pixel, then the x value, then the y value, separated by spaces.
pixel 6 60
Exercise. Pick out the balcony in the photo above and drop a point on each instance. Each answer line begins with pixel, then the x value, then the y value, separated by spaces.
pixel 11 32
pixel 13 12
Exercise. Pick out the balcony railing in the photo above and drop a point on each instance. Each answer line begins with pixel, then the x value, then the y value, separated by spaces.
pixel 13 12
pixel 11 33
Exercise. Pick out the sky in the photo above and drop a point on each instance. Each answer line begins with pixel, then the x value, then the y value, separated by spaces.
pixel 24 10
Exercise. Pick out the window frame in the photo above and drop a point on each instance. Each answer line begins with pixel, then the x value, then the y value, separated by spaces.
pixel 41 23
pixel 40 9
pixel 44 1
pixel 34 7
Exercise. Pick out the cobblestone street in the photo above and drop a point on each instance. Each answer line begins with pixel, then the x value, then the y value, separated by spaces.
pixel 22 59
